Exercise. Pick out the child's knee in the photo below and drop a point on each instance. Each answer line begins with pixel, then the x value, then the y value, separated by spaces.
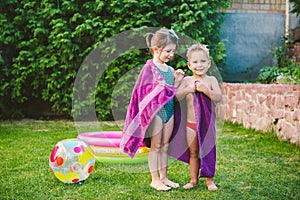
pixel 165 147
pixel 155 147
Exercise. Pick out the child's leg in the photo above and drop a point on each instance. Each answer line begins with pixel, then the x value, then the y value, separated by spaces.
pixel 156 136
pixel 192 140
pixel 167 132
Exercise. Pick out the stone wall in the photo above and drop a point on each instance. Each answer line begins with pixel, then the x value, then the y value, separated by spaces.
pixel 294 48
pixel 264 107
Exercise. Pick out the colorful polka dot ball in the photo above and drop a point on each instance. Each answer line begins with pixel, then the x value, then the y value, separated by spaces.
pixel 72 160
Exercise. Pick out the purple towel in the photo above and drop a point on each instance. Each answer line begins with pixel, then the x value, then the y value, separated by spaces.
pixel 205 119
pixel 149 95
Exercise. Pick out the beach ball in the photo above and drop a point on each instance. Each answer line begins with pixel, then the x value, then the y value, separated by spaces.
pixel 72 160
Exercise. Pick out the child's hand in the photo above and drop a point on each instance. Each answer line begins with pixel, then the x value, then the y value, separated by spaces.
pixel 200 87
pixel 179 72
pixel 190 88
pixel 178 75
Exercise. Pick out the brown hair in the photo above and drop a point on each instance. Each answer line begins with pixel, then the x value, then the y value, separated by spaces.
pixel 161 38
pixel 197 47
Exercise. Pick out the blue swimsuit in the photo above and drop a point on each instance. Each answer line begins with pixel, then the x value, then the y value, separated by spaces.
pixel 168 110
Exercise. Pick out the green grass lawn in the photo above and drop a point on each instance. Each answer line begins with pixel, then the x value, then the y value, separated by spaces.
pixel 250 165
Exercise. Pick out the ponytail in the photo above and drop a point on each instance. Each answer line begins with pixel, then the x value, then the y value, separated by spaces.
pixel 149 39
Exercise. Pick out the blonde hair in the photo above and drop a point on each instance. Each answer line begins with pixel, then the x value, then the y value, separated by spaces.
pixel 161 39
pixel 197 47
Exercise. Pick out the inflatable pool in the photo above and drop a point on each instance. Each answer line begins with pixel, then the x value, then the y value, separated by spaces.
pixel 106 147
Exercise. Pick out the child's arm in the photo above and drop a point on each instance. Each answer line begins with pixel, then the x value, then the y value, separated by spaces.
pixel 213 92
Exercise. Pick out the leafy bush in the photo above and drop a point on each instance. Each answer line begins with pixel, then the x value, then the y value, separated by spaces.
pixel 296 6
pixel 285 71
pixel 283 75
pixel 42 44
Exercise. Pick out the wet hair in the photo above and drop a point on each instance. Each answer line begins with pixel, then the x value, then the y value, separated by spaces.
pixel 161 39
pixel 197 47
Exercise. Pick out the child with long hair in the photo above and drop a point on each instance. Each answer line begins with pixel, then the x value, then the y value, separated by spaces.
pixel 150 114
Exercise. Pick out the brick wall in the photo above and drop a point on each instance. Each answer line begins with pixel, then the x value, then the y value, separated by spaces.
pixel 257 6
pixel 264 107
pixel 294 52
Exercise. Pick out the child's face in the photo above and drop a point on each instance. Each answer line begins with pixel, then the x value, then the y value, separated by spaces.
pixel 199 62
pixel 167 54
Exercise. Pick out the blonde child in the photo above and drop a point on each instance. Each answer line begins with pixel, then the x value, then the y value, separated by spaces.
pixel 150 113
pixel 200 92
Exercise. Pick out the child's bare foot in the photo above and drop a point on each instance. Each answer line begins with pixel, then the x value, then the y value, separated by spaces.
pixel 159 186
pixel 190 185
pixel 169 183
pixel 210 184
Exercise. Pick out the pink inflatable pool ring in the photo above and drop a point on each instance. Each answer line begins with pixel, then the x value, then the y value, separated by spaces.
pixel 106 146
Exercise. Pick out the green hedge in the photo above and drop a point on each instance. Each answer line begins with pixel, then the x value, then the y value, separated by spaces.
pixel 285 70
pixel 42 45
